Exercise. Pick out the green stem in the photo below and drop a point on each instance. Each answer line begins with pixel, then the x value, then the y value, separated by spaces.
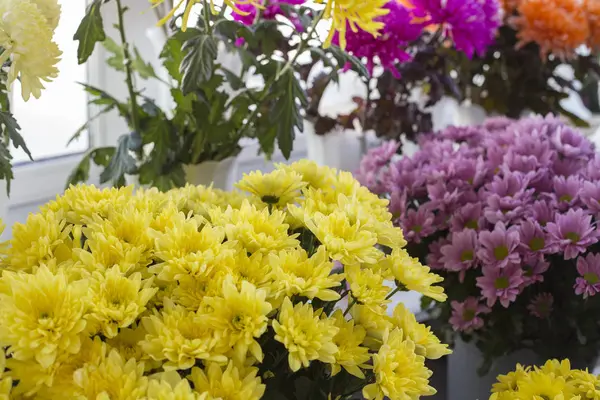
pixel 389 296
pixel 128 73
pixel 352 303
pixel 206 14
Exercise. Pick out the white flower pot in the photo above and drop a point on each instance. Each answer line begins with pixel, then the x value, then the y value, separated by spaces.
pixel 341 148
pixel 220 174
pixel 463 381
pixel 470 115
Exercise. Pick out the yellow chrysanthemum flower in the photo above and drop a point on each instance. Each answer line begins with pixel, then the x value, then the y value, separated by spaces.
pixel 375 321
pixel 351 355
pixel 586 384
pixel 255 230
pixel 413 275
pixel 112 378
pixel 26 36
pixel 41 314
pixel 50 9
pixel 241 316
pixel 5 381
pixel 344 242
pixel 233 383
pixel 355 15
pixel 539 385
pixel 42 238
pixel 399 372
pixel 367 287
pixel 305 335
pixel 180 337
pixel 190 291
pixel 254 268
pixel 127 343
pixel 294 273
pixel 314 175
pixel 427 344
pixel 116 301
pixel 277 188
pixel 173 388
pixel 509 381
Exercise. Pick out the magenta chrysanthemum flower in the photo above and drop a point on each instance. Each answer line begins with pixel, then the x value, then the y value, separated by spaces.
pixel 272 10
pixel 571 233
pixel 532 237
pixel 459 254
pixel 390 46
pixel 498 248
pixel 500 284
pixel 541 305
pixel 588 283
pixel 417 224
pixel 472 24
pixel 534 268
pixel 468 216
pixel 590 196
pixel 567 191
pixel 434 258
pixel 506 196
pixel 571 144
pixel 543 211
pixel 466 315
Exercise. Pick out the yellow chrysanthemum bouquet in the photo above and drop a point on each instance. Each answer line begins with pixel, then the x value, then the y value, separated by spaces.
pixel 28 54
pixel 555 380
pixel 196 293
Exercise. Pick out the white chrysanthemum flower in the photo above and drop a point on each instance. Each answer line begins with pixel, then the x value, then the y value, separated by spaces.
pixel 26 38
pixel 50 9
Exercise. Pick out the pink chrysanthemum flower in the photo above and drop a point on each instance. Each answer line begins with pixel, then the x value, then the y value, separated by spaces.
pixel 501 284
pixel 572 233
pixel 541 305
pixel 588 284
pixel 466 316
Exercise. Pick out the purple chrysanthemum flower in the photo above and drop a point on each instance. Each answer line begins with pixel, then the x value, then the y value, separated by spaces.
pixel 532 237
pixel 592 169
pixel 588 283
pixel 541 305
pixel 571 144
pixel 567 166
pixel 498 248
pixel 271 11
pixel 498 124
pixel 534 268
pixel 543 211
pixel 466 315
pixel 435 253
pixel 398 204
pixel 566 191
pixel 501 284
pixel 571 233
pixel 460 254
pixel 590 196
pixel 472 24
pixel 417 224
pixel 468 216
pixel 389 47
pixel 506 196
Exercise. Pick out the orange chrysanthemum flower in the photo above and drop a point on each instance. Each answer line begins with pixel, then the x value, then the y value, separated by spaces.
pixel 509 6
pixel 558 26
pixel 593 11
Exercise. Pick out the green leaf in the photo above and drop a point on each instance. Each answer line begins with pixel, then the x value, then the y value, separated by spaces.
pixel 344 58
pixel 158 133
pixel 12 128
pixel 285 110
pixel 121 163
pixel 172 56
pixel 104 99
pixel 117 54
pixel 81 173
pixel 6 172
pixel 235 81
pixel 199 61
pixel 90 31
pixel 144 69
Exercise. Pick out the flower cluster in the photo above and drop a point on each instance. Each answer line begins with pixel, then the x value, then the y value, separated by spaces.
pixel 26 38
pixel 555 380
pixel 470 25
pixel 507 211
pixel 203 294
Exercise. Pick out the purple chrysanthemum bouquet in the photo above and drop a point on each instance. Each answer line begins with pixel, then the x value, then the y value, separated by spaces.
pixel 507 212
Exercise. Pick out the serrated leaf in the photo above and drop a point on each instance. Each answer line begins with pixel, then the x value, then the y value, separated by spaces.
pixel 117 54
pixel 344 58
pixel 104 99
pixel 285 111
pixel 199 61
pixel 90 31
pixel 159 133
pixel 121 163
pixel 172 56
pixel 144 69
pixel 12 128
pixel 6 171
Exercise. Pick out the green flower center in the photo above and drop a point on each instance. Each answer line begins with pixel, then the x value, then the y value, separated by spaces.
pixel 466 255
pixel 268 199
pixel 472 224
pixel 565 197
pixel 573 237
pixel 591 278
pixel 501 283
pixel 417 228
pixel 536 244
pixel 500 252
pixel 468 315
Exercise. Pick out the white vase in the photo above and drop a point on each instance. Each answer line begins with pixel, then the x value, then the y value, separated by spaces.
pixel 219 174
pixel 341 148
pixel 463 381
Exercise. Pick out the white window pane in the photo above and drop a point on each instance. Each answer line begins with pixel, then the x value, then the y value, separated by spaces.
pixel 48 123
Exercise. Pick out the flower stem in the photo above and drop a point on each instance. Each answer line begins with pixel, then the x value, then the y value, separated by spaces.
pixel 352 303
pixel 135 124
pixel 392 293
